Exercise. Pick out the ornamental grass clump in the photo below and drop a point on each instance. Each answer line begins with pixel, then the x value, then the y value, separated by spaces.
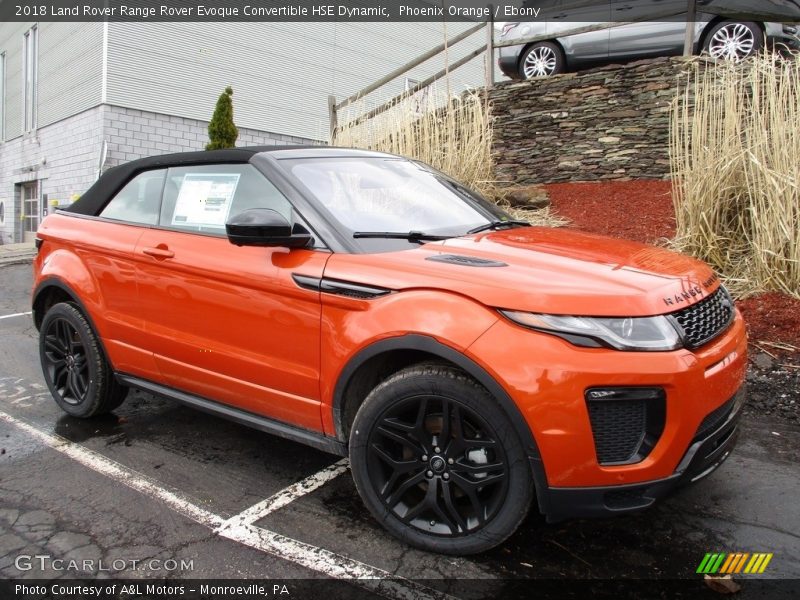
pixel 735 153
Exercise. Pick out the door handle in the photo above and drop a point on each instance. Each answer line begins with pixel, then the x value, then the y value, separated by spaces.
pixel 160 252
pixel 624 8
pixel 561 16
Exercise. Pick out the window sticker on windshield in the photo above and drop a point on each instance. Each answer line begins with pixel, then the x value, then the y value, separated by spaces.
pixel 205 199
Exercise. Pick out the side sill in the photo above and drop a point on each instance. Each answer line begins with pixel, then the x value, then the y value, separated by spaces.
pixel 302 436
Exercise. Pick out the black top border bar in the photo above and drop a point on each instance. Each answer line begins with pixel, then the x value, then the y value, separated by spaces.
pixel 560 11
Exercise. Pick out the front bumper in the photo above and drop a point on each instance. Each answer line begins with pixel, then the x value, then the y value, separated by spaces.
pixel 508 61
pixel 701 459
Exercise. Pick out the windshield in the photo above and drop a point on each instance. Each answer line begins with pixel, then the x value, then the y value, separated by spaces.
pixel 392 195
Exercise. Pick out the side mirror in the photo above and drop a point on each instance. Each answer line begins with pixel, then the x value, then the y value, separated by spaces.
pixel 265 227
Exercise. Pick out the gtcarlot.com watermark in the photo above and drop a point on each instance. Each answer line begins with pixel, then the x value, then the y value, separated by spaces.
pixel 45 562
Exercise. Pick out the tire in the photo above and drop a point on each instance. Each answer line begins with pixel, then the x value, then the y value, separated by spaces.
pixel 734 40
pixel 457 485
pixel 75 369
pixel 543 59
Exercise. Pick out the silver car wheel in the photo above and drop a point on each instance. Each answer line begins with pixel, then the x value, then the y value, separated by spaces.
pixel 732 42
pixel 540 62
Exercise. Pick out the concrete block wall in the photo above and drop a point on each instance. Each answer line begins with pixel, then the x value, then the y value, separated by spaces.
pixel 63 157
pixel 133 134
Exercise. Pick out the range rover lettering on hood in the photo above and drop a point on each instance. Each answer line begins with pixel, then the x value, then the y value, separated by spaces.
pixel 466 261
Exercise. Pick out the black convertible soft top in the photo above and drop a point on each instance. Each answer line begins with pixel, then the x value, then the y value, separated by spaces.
pixel 111 181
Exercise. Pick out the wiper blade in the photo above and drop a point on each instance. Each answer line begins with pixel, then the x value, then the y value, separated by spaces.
pixel 412 236
pixel 498 225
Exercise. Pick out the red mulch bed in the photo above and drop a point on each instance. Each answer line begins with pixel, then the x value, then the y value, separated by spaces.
pixel 772 317
pixel 638 210
pixel 642 210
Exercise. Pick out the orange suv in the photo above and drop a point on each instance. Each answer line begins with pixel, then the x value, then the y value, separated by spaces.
pixel 372 307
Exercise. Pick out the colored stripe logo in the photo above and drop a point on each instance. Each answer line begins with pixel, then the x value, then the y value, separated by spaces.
pixel 735 562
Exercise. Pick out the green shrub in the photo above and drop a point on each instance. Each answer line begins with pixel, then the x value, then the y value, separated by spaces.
pixel 222 132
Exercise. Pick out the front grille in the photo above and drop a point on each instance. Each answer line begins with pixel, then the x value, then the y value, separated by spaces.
pixel 714 419
pixel 702 322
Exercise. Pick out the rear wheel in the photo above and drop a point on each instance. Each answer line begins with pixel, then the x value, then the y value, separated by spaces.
pixel 75 369
pixel 438 463
pixel 542 60
pixel 734 40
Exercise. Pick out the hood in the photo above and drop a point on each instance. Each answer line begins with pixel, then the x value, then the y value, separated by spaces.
pixel 537 269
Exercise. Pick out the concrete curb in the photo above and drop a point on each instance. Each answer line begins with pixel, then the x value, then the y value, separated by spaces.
pixel 17 254
pixel 16 260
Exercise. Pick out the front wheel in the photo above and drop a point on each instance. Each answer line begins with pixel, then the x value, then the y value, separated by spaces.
pixel 75 369
pixel 734 40
pixel 544 59
pixel 438 463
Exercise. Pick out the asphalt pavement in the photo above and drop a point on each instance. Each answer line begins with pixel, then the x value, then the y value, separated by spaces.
pixel 158 490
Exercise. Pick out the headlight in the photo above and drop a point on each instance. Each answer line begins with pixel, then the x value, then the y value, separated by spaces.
pixel 643 334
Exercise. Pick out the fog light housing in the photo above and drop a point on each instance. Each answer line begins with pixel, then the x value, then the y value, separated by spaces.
pixel 626 422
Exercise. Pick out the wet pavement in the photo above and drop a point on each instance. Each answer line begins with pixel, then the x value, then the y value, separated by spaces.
pixel 57 502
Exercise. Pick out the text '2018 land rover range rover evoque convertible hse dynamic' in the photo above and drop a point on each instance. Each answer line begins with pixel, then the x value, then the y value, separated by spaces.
pixel 469 365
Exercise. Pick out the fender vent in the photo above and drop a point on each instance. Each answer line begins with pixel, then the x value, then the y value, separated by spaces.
pixel 466 261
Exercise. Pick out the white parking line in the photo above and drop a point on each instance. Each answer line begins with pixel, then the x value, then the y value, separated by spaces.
pixel 311 557
pixel 289 494
pixel 25 314
pixel 114 470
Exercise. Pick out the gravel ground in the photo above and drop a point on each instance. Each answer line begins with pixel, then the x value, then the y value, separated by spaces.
pixel 774 389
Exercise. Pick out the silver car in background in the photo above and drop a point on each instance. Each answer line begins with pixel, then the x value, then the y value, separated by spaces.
pixel 717 36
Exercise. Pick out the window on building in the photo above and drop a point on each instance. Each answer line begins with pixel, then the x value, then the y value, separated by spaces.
pixel 2 96
pixel 30 59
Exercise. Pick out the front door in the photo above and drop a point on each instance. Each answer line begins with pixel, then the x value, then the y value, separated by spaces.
pixel 224 322
pixel 662 36
pixel 31 210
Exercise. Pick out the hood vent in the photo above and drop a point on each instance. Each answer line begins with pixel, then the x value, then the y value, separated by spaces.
pixel 466 261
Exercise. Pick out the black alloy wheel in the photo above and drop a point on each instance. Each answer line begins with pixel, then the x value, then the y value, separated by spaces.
pixel 436 461
pixel 65 361
pixel 74 366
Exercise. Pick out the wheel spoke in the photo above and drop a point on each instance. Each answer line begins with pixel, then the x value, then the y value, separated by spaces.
pixel 79 383
pixel 60 375
pixel 64 334
pixel 53 345
pixel 397 424
pixel 73 385
pixel 419 425
pixel 409 443
pixel 476 484
pixel 476 468
pixel 447 495
pixel 399 466
pixel 394 497
pixel 471 492
pixel 444 434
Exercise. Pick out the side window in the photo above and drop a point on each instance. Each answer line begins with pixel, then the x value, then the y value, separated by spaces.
pixel 203 198
pixel 139 201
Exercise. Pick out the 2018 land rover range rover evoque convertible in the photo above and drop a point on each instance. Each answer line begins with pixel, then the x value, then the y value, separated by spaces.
pixel 470 365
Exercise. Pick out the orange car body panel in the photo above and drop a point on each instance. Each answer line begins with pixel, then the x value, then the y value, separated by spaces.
pixel 230 324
